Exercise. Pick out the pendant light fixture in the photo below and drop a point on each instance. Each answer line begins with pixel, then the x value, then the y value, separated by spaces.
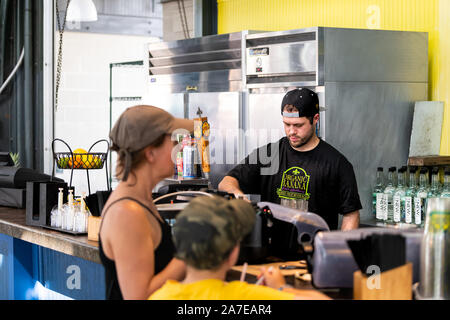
pixel 81 10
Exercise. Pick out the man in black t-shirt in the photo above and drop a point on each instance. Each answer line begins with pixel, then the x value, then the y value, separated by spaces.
pixel 300 166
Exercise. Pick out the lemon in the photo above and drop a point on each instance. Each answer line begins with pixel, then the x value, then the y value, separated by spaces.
pixel 89 163
pixel 97 162
pixel 93 162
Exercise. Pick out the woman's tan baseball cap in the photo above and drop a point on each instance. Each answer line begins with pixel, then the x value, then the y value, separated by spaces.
pixel 140 126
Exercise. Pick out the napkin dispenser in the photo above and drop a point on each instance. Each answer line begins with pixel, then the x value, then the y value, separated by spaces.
pixel 333 265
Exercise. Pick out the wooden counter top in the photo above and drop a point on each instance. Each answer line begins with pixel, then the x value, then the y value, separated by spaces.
pixel 12 223
pixel 299 277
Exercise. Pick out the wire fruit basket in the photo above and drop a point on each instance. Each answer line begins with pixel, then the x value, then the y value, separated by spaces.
pixel 91 160
pixel 76 160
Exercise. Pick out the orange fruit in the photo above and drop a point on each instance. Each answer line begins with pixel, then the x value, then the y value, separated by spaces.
pixel 79 158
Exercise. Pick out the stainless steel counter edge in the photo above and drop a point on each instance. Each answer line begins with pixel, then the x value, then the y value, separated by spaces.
pixel 12 223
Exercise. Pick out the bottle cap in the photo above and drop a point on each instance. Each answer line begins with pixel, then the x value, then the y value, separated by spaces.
pixel 380 169
pixel 392 169
pixel 423 170
pixel 435 170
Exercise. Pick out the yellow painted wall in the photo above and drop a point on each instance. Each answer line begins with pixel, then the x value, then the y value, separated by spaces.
pixel 432 16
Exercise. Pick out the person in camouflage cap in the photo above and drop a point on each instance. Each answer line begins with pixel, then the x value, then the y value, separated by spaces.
pixel 208 229
pixel 207 236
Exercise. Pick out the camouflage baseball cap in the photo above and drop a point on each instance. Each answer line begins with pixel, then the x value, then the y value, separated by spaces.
pixel 208 229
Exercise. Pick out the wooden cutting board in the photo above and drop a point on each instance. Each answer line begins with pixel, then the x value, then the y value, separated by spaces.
pixel 426 129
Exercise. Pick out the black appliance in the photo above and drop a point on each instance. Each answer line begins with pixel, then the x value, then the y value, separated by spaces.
pixel 280 233
pixel 13 182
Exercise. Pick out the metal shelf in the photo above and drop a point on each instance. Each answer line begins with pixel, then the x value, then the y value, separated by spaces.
pixel 126 64
pixel 125 98
pixel 429 161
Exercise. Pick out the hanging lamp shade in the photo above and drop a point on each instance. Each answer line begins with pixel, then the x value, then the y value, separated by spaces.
pixel 81 10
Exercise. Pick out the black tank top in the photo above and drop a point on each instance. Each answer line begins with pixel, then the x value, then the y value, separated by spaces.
pixel 163 254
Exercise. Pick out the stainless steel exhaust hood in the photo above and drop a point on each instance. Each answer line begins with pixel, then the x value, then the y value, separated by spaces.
pixel 206 64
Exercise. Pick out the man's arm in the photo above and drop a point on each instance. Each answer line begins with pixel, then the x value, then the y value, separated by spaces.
pixel 243 178
pixel 348 196
pixel 350 221
pixel 230 185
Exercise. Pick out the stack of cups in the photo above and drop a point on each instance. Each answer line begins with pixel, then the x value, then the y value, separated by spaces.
pixel 298 204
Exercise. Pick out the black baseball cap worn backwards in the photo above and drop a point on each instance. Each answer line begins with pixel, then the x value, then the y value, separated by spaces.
pixel 305 100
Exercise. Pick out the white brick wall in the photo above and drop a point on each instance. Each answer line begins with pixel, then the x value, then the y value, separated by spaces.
pixel 82 117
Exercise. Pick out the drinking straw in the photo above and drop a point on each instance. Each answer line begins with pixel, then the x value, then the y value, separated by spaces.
pixel 244 271
pixel 260 280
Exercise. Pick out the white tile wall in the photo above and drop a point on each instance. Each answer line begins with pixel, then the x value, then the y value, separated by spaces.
pixel 83 112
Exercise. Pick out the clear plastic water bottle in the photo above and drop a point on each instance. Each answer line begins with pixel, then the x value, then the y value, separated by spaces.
pixel 399 197
pixel 389 195
pixel 406 170
pixel 410 195
pixel 434 191
pixel 445 193
pixel 377 192
pixel 421 198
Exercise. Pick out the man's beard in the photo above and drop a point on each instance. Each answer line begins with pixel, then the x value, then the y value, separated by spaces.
pixel 302 141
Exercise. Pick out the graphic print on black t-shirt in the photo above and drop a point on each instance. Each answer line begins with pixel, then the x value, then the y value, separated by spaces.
pixel 294 184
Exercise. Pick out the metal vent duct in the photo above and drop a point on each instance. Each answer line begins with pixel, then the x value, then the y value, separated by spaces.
pixel 207 64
